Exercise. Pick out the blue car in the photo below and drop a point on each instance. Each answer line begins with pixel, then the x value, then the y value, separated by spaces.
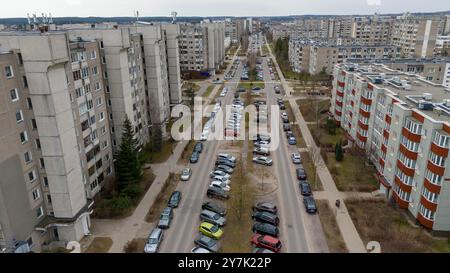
pixel 292 141
pixel 194 157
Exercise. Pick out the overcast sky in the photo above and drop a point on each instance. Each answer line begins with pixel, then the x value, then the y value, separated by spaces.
pixel 107 8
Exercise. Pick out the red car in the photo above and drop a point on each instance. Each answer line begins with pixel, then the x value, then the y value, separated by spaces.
pixel 266 241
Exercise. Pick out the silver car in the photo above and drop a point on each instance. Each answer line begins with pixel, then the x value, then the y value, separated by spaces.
pixel 186 174
pixel 212 217
pixel 154 241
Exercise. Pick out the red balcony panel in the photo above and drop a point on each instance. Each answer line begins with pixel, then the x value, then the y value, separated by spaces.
pixel 446 128
pixel 339 93
pixel 401 203
pixel 337 112
pixel 353 92
pixel 360 137
pixel 439 150
pixel 366 101
pixel 363 126
pixel 403 186
pixel 383 181
pixel 370 86
pixel 364 113
pixel 381 161
pixel 427 204
pixel 341 84
pixel 385 134
pixel 352 103
pixel 404 169
pixel 418 116
pixel 424 221
pixel 383 148
pixel 410 136
pixel 435 168
pixel 409 154
pixel 351 114
pixel 339 103
pixel 388 119
pixel 431 187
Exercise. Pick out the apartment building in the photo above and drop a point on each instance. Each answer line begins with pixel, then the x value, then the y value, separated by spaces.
pixel 442 46
pixel 373 30
pixel 202 46
pixel 325 57
pixel 299 53
pixel 234 29
pixel 416 36
pixel 402 122
pixel 55 151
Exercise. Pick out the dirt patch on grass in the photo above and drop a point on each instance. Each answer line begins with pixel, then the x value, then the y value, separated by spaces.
pixel 375 220
pixel 100 245
pixel 186 154
pixel 309 110
pixel 333 235
pixel 163 197
pixel 135 246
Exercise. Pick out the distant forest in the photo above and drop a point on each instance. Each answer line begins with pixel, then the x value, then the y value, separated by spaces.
pixel 124 20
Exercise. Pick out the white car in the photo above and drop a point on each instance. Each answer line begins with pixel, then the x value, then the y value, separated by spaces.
pixel 186 174
pixel 204 136
pixel 220 173
pixel 227 157
pixel 199 249
pixel 220 185
pixel 221 179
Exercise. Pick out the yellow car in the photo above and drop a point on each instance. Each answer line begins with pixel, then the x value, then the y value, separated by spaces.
pixel 210 230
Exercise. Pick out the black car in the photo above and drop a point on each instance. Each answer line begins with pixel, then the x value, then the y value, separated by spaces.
pixel 236 95
pixel 286 127
pixel 194 157
pixel 225 162
pixel 265 206
pixel 285 119
pixel 301 174
pixel 215 192
pixel 265 229
pixel 198 147
pixel 241 89
pixel 305 188
pixel 266 217
pixel 289 134
pixel 174 200
pixel 282 107
pixel 214 207
pixel 224 168
pixel 310 204
pixel 207 242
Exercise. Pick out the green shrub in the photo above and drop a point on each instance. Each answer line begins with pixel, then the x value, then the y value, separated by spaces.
pixel 133 192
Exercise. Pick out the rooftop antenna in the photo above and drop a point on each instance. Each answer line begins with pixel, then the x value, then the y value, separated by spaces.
pixel 28 18
pixel 137 15
pixel 174 16
pixel 51 19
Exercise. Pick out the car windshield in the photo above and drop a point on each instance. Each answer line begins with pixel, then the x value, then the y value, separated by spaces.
pixel 214 229
pixel 185 172
pixel 216 217
pixel 152 241
pixel 164 217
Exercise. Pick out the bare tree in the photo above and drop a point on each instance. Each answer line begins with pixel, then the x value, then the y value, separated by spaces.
pixel 317 162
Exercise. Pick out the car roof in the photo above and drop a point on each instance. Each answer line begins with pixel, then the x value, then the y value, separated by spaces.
pixel 206 224
pixel 270 239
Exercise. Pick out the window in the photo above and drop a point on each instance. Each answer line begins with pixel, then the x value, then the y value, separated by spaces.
pixel 39 212
pixel 93 55
pixel 29 103
pixel 33 124
pixel 437 160
pixel 101 44
pixel 99 101
pixel 101 116
pixel 19 116
pixel 24 137
pixel 14 94
pixel 19 58
pixel 9 72
pixel 49 198
pixel 85 72
pixel 97 86
pixel 441 140
pixel 45 181
pixel 38 143
pixel 82 108
pixel 24 81
pixel 36 194
pixel 103 60
pixel 94 70
pixel 103 130
pixel 76 75
pixel 32 175
pixel 105 144
pixel 92 120
pixel 28 157
pixel 42 163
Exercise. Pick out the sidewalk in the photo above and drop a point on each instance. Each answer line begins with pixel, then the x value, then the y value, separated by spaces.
pixel 348 230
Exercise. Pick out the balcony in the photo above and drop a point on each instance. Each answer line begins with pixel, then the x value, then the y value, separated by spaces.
pixel 428 223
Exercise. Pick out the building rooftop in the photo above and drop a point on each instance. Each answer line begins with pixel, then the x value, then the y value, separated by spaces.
pixel 411 89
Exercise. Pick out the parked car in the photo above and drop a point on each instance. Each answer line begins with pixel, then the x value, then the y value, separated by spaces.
pixel 227 157
pixel 282 106
pixel 224 168
pixel 260 137
pixel 265 229
pixel 262 250
pixel 305 188
pixel 310 204
pixel 154 241
pixel 185 174
pixel 263 160
pixel 301 173
pixel 221 185
pixel 296 158
pixel 221 179
pixel 219 173
pixel 266 242
pixel 175 199
pixel 214 192
pixel 165 218
pixel 265 206
pixel 208 205
pixel 199 249
pixel 261 151
pixel 198 147
pixel 210 230
pixel 207 243
pixel 292 140
pixel 212 217
pixel 194 157
pixel 286 127
pixel 266 217
pixel 225 162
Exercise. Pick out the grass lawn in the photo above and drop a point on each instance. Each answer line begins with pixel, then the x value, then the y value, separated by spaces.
pixel 250 85
pixel 238 231
pixel 208 91
pixel 232 50
pixel 322 137
pixel 135 246
pixel 352 174
pixel 333 235
pixel 163 197
pixel 294 127
pixel 186 154
pixel 163 155
pixel 308 109
pixel 375 220
pixel 309 168
pixel 100 245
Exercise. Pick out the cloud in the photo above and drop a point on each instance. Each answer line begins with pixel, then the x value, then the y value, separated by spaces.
pixel 73 2
pixel 373 2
